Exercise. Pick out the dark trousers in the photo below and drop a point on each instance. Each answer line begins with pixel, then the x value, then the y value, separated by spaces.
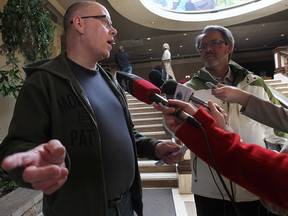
pixel 216 207
pixel 122 206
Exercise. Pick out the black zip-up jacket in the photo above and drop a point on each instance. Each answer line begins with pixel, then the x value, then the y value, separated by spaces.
pixel 52 105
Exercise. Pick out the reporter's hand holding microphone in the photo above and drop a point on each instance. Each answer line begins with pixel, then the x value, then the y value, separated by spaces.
pixel 171 120
pixel 174 123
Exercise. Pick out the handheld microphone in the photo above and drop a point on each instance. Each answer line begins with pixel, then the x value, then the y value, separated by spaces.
pixel 148 93
pixel 181 92
pixel 140 88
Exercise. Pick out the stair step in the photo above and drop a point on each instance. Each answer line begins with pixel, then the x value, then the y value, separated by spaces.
pixel 278 85
pixel 184 167
pixel 156 134
pixel 149 127
pixel 142 121
pixel 148 166
pixel 143 110
pixel 148 121
pixel 269 81
pixel 159 180
pixel 137 104
pixel 146 115
pixel 280 89
pixel 130 97
pixel 159 175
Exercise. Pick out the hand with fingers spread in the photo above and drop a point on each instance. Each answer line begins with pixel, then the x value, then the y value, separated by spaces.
pixel 45 167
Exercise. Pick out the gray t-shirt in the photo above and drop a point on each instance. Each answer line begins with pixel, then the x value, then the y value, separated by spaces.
pixel 117 146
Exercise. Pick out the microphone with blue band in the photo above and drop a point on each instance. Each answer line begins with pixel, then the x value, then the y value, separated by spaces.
pixel 181 92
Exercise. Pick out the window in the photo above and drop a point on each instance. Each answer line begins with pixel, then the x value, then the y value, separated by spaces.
pixel 198 5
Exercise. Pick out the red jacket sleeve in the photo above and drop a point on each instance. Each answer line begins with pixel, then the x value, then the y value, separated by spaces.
pixel 261 171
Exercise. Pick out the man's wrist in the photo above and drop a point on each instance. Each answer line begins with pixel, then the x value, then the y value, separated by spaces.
pixel 244 99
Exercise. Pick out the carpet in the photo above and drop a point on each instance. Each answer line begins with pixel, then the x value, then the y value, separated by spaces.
pixel 158 202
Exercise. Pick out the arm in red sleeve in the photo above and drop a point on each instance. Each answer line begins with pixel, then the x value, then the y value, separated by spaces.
pixel 249 165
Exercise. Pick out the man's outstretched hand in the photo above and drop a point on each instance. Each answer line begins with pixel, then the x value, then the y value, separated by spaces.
pixel 44 166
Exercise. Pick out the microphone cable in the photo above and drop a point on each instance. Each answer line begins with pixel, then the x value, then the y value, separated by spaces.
pixel 218 173
pixel 185 117
pixel 169 87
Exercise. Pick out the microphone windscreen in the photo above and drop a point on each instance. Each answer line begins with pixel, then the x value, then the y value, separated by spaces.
pixel 138 87
pixel 169 87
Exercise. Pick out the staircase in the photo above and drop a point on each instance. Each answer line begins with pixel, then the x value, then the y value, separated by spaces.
pixel 148 122
pixel 279 87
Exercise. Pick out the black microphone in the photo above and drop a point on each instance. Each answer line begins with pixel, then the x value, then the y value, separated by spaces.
pixel 148 93
pixel 169 87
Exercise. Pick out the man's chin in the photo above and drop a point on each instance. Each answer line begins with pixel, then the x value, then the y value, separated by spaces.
pixel 108 54
pixel 105 56
pixel 211 64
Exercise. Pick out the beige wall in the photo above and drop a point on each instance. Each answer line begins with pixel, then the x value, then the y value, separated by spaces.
pixel 2 3
pixel 7 103
pixel 6 111
pixel 57 40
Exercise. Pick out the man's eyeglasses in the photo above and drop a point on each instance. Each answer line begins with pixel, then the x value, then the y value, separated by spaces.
pixel 213 44
pixel 106 23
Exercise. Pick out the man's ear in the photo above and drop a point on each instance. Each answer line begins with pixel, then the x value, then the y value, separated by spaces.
pixel 230 49
pixel 78 24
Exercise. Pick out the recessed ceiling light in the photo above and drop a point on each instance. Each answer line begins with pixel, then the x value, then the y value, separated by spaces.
pixel 153 22
pixel 282 35
pixel 150 50
pixel 148 38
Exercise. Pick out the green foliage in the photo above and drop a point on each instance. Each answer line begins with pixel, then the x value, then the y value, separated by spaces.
pixel 6 184
pixel 27 29
pixel 11 80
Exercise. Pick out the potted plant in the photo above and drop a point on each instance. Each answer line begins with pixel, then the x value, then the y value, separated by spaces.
pixel 27 34
pixel 27 30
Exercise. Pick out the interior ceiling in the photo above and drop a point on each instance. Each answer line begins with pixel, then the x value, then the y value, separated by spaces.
pixel 264 32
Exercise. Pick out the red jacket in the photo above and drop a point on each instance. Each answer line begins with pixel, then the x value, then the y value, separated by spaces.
pixel 261 171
